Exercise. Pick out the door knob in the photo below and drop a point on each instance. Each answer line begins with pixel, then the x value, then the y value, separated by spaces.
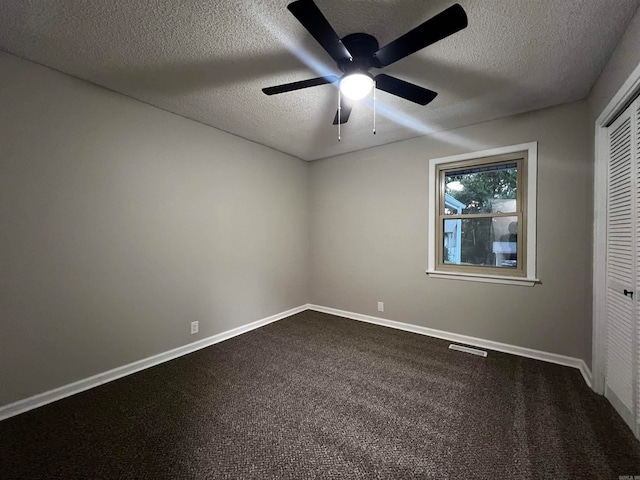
pixel 628 293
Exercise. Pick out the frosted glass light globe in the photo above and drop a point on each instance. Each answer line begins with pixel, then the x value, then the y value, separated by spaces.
pixel 356 86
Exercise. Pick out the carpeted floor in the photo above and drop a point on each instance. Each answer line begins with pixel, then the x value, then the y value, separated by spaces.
pixel 319 396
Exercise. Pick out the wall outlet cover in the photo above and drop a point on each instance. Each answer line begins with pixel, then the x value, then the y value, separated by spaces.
pixel 194 327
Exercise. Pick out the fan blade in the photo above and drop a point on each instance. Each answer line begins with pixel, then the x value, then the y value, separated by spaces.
pixel 311 18
pixel 345 111
pixel 289 87
pixel 446 23
pixel 405 90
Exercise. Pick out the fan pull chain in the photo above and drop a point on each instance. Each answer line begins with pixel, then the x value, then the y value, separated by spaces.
pixel 339 108
pixel 374 107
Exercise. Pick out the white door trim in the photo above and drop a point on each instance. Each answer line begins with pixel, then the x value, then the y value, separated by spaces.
pixel 616 106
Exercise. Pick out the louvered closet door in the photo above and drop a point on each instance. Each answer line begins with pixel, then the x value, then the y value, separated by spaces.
pixel 621 267
pixel 635 118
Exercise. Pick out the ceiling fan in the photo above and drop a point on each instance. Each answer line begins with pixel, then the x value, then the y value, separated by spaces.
pixel 357 53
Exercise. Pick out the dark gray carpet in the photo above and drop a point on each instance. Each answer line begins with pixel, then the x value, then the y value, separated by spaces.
pixel 318 396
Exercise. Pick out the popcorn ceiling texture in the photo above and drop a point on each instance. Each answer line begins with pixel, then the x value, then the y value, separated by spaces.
pixel 208 60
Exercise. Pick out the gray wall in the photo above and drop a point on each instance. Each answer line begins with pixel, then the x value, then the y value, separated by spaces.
pixel 369 236
pixel 625 58
pixel 121 223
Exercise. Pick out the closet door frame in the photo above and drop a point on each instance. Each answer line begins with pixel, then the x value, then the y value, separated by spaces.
pixel 623 98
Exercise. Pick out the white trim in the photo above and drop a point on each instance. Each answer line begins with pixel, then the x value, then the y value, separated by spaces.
pixel 458 338
pixel 474 277
pixel 599 334
pixel 532 185
pixel 59 393
pixel 629 89
pixel 586 373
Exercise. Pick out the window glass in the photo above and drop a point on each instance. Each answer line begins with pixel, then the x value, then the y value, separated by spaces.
pixel 487 241
pixel 483 189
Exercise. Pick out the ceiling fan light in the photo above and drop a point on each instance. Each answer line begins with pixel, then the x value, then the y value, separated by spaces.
pixel 356 86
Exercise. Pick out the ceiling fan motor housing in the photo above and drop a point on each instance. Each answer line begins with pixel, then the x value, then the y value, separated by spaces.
pixel 362 47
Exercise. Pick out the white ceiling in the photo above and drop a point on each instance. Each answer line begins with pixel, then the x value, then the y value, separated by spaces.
pixel 208 60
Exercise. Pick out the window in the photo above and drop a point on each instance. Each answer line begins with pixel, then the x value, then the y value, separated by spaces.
pixel 482 215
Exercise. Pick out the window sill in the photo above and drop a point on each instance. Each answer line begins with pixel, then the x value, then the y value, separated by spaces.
pixel 472 277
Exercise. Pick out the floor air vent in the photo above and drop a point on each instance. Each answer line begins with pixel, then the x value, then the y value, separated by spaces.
pixel 473 351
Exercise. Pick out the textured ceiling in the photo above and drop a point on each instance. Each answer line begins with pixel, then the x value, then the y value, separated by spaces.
pixel 208 60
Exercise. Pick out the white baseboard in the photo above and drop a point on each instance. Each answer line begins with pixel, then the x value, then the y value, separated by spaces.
pixel 474 341
pixel 586 374
pixel 44 398
pixel 59 393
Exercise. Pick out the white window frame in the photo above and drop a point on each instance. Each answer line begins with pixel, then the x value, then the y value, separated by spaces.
pixel 532 180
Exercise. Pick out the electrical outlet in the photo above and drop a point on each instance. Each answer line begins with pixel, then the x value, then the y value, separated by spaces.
pixel 381 306
pixel 194 327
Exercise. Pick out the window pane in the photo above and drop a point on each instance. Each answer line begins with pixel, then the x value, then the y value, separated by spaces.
pixel 484 189
pixel 481 241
